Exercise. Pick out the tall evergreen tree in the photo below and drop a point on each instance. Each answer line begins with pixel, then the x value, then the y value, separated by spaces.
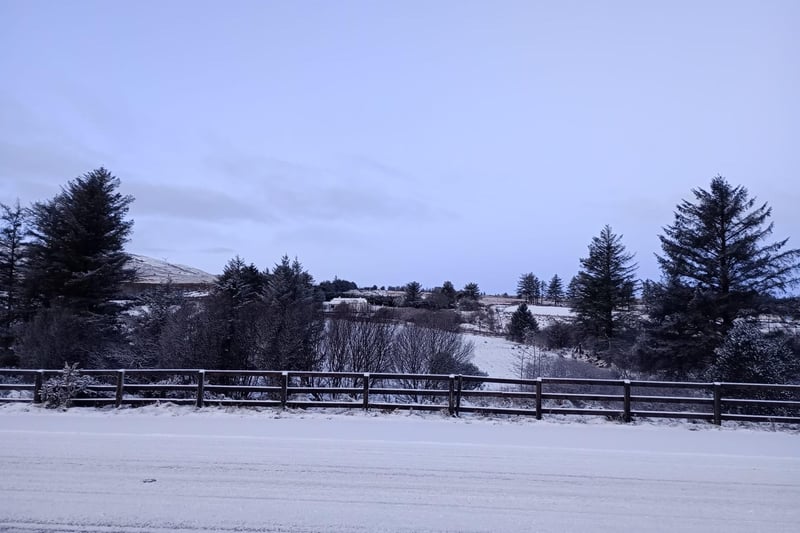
pixel 717 246
pixel 555 290
pixel 718 265
pixel 522 324
pixel 413 294
pixel 572 290
pixel 237 300
pixel 528 288
pixel 241 282
pixel 77 249
pixel 294 322
pixel 75 265
pixel 605 284
pixel 12 232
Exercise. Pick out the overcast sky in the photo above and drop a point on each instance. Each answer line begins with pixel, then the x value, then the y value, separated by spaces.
pixel 385 142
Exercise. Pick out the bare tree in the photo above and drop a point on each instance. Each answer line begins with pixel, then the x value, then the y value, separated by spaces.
pixel 357 342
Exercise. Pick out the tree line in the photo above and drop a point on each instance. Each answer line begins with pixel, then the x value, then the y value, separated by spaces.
pixel 714 314
pixel 63 262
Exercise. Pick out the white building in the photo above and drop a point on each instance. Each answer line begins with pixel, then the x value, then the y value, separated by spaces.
pixel 359 305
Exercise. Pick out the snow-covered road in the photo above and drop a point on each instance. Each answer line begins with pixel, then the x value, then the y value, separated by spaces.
pixel 175 470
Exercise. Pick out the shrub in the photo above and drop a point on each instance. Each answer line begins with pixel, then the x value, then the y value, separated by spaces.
pixel 58 392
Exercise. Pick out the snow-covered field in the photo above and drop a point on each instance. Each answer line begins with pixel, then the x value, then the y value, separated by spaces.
pixel 494 355
pixel 176 469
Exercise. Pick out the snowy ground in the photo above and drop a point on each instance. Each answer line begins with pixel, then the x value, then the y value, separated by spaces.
pixel 494 355
pixel 500 358
pixel 172 469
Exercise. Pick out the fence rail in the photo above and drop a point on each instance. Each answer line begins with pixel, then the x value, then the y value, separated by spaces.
pixel 623 399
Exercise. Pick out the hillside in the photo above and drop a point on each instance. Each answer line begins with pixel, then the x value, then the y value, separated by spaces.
pixel 152 271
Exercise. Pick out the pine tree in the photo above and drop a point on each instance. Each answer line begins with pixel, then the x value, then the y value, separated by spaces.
pixel 237 300
pixel 413 294
pixel 76 254
pixel 522 324
pixel 717 266
pixel 471 291
pixel 528 288
pixel 717 246
pixel 572 290
pixel 241 282
pixel 294 323
pixel 12 231
pixel 469 297
pixel 605 285
pixel 75 265
pixel 555 290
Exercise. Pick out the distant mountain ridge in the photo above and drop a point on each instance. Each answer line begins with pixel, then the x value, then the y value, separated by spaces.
pixel 152 270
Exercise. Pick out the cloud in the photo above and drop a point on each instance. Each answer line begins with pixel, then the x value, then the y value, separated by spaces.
pixel 358 190
pixel 193 203
pixel 37 154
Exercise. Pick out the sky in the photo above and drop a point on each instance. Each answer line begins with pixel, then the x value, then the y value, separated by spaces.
pixel 384 142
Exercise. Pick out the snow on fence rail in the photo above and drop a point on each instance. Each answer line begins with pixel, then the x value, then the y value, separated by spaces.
pixel 625 399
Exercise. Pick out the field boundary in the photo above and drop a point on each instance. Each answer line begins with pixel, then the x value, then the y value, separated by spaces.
pixel 615 398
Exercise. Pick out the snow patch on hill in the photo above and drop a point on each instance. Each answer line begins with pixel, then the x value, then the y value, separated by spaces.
pixel 151 270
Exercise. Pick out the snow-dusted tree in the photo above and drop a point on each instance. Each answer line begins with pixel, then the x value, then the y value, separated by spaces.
pixel 293 325
pixel 59 391
pixel 555 290
pixel 241 282
pixel 356 342
pixel 605 285
pixel 749 355
pixel 155 309
pixel 432 345
pixel 522 324
pixel 12 232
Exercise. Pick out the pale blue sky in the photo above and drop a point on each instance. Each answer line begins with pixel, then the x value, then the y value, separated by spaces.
pixel 386 142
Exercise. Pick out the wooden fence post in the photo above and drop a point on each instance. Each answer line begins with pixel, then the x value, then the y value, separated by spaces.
pixel 201 387
pixel 626 403
pixel 451 395
pixel 37 386
pixel 120 388
pixel 459 386
pixel 365 397
pixel 284 388
pixel 538 398
pixel 717 403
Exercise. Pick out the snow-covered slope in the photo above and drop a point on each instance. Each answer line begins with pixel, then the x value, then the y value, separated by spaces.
pixel 151 270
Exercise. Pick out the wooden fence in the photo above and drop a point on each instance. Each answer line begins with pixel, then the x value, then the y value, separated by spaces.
pixel 623 399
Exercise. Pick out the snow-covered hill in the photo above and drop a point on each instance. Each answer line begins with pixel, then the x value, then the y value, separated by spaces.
pixel 151 270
